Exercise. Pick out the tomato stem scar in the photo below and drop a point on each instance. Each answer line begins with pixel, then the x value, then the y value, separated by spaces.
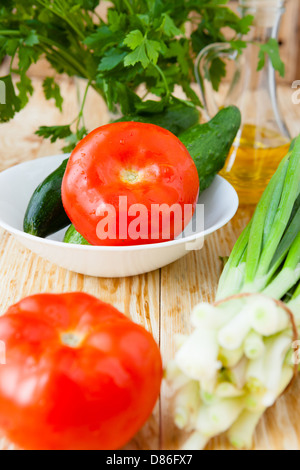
pixel 71 339
pixel 131 176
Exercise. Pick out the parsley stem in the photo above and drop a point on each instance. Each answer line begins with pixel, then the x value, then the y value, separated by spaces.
pixel 55 49
pixel 80 115
pixel 168 93
pixel 61 54
pixel 66 55
pixel 129 7
pixel 9 32
pixel 57 57
pixel 60 14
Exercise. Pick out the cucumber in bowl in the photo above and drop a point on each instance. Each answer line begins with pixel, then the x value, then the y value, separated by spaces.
pixel 73 237
pixel 45 213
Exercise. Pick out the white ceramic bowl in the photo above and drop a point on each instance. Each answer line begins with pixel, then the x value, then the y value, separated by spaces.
pixel 18 183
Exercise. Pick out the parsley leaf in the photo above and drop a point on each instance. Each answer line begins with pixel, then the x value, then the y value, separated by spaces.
pixel 25 89
pixel 134 39
pixel 153 49
pixel 217 71
pixel 138 45
pixel 271 48
pixel 145 50
pixel 9 101
pixel 168 26
pixel 54 132
pixel 32 39
pixel 73 139
pixel 111 60
pixel 138 55
pixel 52 90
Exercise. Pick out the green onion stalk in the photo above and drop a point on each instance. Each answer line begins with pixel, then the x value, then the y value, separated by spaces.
pixel 239 357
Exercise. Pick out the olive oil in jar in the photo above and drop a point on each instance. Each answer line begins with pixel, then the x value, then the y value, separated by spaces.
pixel 252 161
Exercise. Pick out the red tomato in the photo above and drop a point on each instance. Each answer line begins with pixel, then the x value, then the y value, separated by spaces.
pixel 78 374
pixel 145 165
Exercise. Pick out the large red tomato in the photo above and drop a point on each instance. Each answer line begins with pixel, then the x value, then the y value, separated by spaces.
pixel 130 183
pixel 78 374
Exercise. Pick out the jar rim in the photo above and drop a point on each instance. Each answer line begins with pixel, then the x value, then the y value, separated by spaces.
pixel 266 13
pixel 262 3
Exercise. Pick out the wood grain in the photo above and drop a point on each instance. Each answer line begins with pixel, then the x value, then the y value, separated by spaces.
pixel 161 301
pixel 289 38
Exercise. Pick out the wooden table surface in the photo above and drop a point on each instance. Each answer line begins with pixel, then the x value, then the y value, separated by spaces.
pixel 162 300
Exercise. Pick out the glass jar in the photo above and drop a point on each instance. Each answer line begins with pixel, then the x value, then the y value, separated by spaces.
pixel 263 139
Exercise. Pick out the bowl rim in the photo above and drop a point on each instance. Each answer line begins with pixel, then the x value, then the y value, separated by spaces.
pixel 178 241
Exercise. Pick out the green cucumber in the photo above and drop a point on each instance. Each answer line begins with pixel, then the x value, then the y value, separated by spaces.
pixel 177 118
pixel 45 213
pixel 74 237
pixel 210 143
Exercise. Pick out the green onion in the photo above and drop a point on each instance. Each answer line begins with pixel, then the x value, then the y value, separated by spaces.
pixel 230 358
pixel 271 238
pixel 241 432
pixel 254 346
pixel 238 359
pixel 218 417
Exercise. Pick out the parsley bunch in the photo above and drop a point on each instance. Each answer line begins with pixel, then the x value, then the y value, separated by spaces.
pixel 142 42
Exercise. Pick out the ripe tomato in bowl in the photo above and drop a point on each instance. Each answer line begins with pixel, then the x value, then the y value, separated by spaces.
pixel 130 183
pixel 77 375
